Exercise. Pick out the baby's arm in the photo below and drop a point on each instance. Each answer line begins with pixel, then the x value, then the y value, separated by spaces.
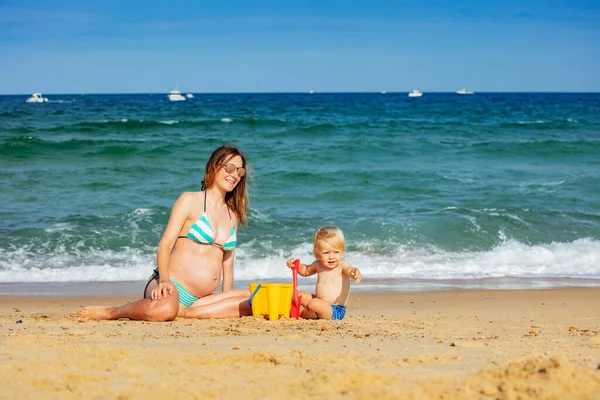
pixel 303 269
pixel 352 272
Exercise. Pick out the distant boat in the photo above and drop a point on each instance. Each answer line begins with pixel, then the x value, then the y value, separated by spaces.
pixel 464 91
pixel 175 95
pixel 37 98
pixel 189 96
pixel 383 92
pixel 311 92
pixel 415 93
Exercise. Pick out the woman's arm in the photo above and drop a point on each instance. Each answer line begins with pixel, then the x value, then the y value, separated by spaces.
pixel 228 259
pixel 179 215
pixel 228 271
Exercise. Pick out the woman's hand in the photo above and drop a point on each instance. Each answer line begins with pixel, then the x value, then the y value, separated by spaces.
pixel 163 290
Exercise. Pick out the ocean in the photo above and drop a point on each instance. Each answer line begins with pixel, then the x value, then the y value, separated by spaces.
pixel 492 190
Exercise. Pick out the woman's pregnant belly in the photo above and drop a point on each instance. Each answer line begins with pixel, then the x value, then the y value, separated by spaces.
pixel 197 267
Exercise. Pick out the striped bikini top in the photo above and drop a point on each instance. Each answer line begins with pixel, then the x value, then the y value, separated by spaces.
pixel 202 232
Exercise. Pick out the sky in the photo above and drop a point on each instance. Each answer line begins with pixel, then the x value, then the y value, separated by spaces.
pixel 132 46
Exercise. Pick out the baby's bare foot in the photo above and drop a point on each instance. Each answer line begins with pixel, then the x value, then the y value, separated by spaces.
pixel 94 313
pixel 308 314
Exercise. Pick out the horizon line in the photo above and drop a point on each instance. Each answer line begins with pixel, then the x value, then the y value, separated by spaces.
pixel 306 92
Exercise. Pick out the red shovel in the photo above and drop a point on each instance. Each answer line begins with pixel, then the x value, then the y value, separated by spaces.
pixel 295 309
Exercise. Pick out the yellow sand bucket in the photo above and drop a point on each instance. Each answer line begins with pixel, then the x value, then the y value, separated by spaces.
pixel 271 300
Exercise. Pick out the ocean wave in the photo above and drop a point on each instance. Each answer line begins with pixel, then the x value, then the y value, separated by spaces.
pixel 544 147
pixel 62 101
pixel 578 259
pixel 541 124
pixel 29 146
pixel 141 125
pixel 11 114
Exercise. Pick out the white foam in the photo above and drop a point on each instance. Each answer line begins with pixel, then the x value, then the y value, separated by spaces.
pixel 260 260
pixel 59 227
pixel 143 212
pixel 539 121
pixel 580 258
pixel 75 266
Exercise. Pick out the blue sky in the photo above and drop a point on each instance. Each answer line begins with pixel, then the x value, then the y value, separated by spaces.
pixel 133 46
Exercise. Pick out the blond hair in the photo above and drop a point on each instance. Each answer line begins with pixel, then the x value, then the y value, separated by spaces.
pixel 332 235
pixel 237 199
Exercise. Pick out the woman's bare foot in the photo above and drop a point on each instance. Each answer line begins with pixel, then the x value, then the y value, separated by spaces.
pixel 95 313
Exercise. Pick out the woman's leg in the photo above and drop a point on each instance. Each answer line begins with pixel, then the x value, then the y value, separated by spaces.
pixel 142 310
pixel 216 297
pixel 227 307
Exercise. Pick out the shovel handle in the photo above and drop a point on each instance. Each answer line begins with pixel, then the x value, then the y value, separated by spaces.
pixel 296 263
pixel 295 308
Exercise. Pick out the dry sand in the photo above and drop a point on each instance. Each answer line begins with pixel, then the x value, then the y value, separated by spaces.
pixel 541 344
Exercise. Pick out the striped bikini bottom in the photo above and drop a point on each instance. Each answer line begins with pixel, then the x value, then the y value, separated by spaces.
pixel 185 298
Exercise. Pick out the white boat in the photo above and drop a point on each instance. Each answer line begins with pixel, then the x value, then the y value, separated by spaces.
pixel 37 98
pixel 464 91
pixel 415 93
pixel 189 96
pixel 383 92
pixel 311 92
pixel 175 95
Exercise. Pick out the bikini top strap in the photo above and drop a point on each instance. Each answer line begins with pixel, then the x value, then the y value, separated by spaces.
pixel 205 194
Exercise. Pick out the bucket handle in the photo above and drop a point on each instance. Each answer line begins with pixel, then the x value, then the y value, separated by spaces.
pixel 253 294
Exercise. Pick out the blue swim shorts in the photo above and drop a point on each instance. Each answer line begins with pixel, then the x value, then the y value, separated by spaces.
pixel 338 312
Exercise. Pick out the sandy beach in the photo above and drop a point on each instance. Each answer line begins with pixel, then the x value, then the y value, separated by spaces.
pixel 484 344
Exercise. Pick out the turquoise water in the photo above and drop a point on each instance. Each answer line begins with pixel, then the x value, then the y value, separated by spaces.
pixel 442 187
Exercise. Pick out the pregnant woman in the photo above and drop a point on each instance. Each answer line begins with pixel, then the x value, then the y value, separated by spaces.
pixel 197 248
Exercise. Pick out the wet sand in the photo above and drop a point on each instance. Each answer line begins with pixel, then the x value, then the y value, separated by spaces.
pixel 469 344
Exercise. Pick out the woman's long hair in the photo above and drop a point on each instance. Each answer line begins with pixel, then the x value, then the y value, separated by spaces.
pixel 237 199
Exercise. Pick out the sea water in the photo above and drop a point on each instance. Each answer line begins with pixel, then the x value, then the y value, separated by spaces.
pixel 444 191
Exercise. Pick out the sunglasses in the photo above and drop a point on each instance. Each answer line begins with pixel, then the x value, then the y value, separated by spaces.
pixel 230 168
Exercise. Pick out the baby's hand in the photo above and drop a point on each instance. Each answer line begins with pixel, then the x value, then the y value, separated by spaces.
pixel 292 262
pixel 356 275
